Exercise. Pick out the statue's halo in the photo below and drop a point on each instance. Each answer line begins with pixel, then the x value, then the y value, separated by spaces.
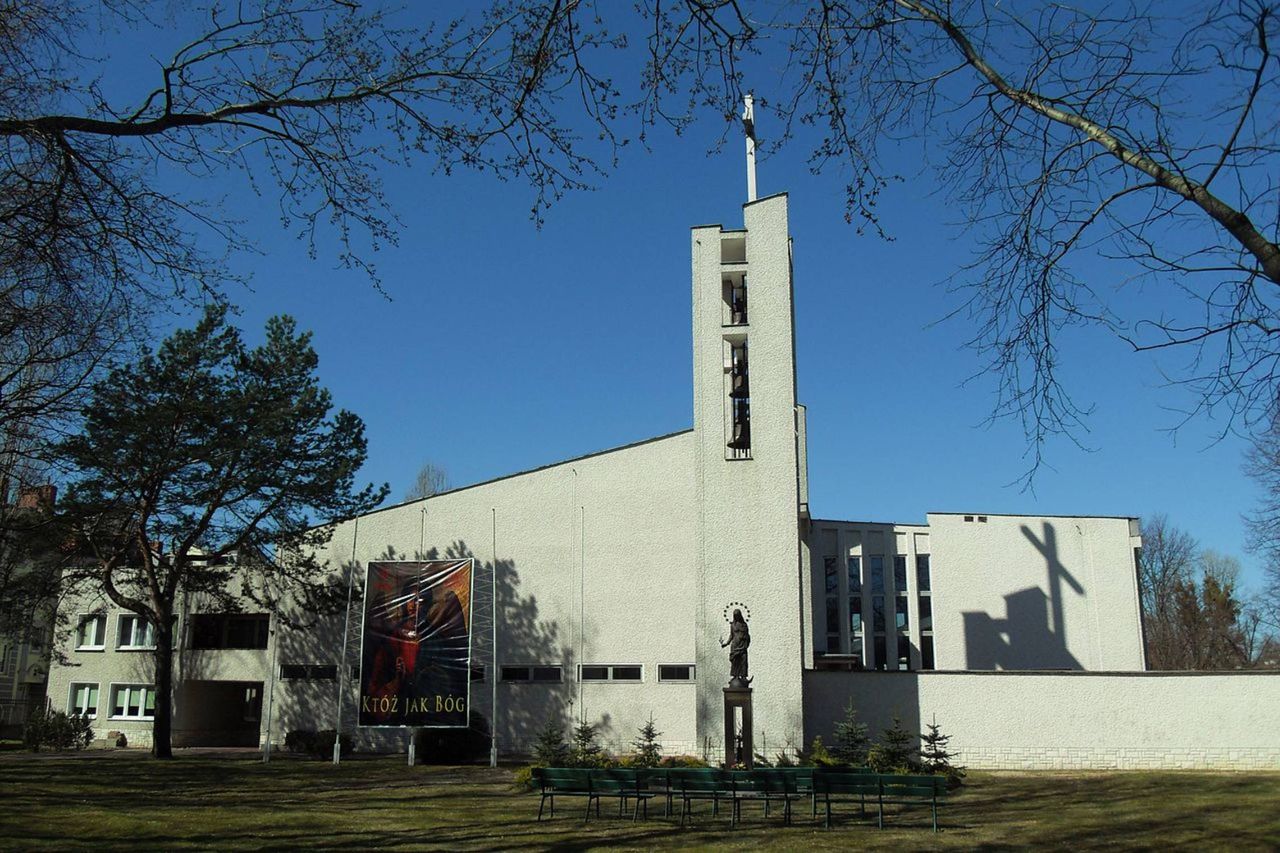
pixel 736 605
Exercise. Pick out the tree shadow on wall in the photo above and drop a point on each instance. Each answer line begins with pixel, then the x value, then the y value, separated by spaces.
pixel 1033 634
pixel 523 637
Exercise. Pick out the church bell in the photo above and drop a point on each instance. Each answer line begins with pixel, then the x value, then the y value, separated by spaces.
pixel 741 426
pixel 739 388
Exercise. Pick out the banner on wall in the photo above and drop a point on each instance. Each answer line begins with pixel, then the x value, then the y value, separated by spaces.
pixel 415 653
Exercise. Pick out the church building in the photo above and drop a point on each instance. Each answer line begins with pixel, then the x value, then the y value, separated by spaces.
pixel 605 586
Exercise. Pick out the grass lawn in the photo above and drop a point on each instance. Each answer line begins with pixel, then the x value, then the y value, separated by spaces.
pixel 107 800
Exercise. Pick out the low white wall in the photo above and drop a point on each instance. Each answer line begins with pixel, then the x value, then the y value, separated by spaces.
pixel 1039 720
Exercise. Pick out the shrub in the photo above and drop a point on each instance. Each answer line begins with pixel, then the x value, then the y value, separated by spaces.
pixel 585 752
pixel 784 759
pixel 550 750
pixel 817 756
pixel 648 750
pixel 454 746
pixel 523 780
pixel 57 730
pixel 934 757
pixel 300 740
pixel 317 744
pixel 675 761
pixel 893 752
pixel 851 741
pixel 324 744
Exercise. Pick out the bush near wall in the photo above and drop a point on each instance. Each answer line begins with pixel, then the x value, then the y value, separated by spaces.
pixel 318 744
pixel 57 730
pixel 454 746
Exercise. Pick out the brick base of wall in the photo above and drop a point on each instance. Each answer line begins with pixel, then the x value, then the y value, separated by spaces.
pixel 1132 758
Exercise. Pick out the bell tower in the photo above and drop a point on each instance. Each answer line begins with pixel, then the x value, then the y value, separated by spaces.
pixel 748 463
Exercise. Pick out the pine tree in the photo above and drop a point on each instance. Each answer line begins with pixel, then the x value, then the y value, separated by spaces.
pixel 648 750
pixel 851 741
pixel 550 750
pixel 818 756
pixel 585 752
pixel 934 757
pixel 893 752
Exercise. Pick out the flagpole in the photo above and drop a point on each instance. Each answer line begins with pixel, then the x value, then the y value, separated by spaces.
pixel 346 635
pixel 493 674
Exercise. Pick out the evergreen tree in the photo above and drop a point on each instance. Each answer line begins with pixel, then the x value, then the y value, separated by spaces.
pixel 851 741
pixel 585 752
pixel 934 757
pixel 818 756
pixel 648 750
pixel 204 450
pixel 893 752
pixel 550 750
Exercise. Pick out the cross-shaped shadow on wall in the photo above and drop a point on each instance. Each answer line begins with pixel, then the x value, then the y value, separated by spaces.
pixel 1033 634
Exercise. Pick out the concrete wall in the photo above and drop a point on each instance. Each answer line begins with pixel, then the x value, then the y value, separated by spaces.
pixel 748 534
pixel 113 665
pixel 106 667
pixel 1032 592
pixel 1068 720
pixel 595 564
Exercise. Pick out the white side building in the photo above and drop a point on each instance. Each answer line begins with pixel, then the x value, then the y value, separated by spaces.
pixel 616 573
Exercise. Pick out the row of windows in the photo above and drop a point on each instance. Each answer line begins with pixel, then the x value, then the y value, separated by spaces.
pixel 133 632
pixel 522 673
pixel 865 598
pixel 208 631
pixel 128 701
pixel 596 672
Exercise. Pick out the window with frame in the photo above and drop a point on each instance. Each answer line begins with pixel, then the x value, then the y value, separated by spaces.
pixel 230 630
pixel 610 672
pixel 91 633
pixel 136 633
pixel 84 700
pixel 133 702
pixel 676 672
pixel 924 609
pixel 309 671
pixel 532 674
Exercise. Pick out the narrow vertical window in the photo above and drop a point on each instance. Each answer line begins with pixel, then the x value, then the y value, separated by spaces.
pixel 739 443
pixel 924 606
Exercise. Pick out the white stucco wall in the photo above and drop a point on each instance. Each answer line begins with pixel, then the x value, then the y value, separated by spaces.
pixel 595 564
pixel 1035 592
pixel 114 666
pixel 1068 720
pixel 749 541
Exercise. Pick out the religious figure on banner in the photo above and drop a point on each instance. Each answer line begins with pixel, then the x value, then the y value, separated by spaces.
pixel 416 667
pixel 738 642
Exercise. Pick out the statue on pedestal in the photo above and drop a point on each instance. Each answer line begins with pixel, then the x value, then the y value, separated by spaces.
pixel 738 642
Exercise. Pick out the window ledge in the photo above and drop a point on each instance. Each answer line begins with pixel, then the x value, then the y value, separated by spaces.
pixel 91 648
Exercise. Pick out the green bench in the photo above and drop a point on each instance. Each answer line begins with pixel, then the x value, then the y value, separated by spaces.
pixel 886 789
pixel 593 784
pixel 784 785
pixel 691 784
pixel 769 785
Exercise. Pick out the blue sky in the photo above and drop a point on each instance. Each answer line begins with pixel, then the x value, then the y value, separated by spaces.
pixel 504 346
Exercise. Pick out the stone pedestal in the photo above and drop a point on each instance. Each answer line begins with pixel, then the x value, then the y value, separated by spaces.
pixel 738 700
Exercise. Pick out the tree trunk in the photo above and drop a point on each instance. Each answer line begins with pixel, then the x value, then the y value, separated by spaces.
pixel 162 727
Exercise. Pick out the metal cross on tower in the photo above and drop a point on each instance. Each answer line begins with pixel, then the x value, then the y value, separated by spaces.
pixel 749 124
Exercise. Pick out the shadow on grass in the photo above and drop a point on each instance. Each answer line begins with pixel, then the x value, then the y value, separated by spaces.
pixel 117 801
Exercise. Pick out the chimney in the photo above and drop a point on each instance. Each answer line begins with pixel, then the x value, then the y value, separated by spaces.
pixel 37 497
